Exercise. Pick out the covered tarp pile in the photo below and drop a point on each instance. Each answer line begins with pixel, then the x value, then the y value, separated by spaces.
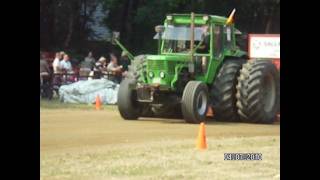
pixel 87 91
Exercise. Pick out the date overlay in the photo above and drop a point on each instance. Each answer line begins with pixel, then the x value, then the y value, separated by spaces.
pixel 242 156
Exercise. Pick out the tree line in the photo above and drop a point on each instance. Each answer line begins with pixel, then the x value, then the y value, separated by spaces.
pixel 64 24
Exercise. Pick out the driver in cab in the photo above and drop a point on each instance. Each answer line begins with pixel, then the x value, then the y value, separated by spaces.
pixel 204 46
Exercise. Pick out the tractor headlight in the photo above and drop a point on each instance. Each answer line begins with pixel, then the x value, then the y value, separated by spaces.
pixel 162 75
pixel 205 18
pixel 169 17
pixel 151 74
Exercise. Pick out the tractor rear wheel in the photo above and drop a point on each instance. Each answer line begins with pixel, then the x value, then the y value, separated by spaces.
pixel 127 105
pixel 224 91
pixel 258 92
pixel 194 104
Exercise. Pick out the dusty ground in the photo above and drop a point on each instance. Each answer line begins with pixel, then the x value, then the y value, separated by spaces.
pixel 82 143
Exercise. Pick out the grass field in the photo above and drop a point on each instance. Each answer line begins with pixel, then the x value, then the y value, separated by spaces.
pixel 78 142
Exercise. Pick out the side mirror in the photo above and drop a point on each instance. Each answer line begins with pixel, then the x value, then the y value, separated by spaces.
pixel 244 37
pixel 115 36
pixel 159 29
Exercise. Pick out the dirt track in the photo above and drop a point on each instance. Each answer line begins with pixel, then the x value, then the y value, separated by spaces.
pixel 81 128
pixel 75 131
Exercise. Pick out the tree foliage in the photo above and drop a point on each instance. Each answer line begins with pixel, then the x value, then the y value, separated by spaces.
pixel 63 23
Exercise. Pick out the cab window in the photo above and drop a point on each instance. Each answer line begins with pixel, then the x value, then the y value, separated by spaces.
pixel 218 40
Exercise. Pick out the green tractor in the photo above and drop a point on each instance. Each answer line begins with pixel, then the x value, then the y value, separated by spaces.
pixel 199 65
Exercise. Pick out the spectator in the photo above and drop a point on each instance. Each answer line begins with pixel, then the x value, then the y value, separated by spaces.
pixel 90 59
pixel 44 70
pixel 45 78
pixel 44 67
pixel 100 67
pixel 56 62
pixel 88 62
pixel 113 65
pixel 125 62
pixel 57 77
pixel 114 68
pixel 65 64
pixel 62 53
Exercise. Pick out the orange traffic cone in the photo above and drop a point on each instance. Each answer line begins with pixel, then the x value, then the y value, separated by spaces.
pixel 209 112
pixel 201 141
pixel 98 103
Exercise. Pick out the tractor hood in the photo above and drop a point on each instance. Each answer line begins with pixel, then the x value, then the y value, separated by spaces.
pixel 161 69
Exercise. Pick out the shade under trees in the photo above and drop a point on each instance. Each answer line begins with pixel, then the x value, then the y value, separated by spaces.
pixel 64 24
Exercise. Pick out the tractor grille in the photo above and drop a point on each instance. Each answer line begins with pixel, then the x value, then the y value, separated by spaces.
pixel 167 66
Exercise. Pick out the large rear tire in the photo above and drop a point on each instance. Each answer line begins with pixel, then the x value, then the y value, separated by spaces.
pixel 194 104
pixel 258 92
pixel 127 105
pixel 224 91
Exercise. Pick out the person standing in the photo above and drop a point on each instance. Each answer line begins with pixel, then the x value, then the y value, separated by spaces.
pixel 65 64
pixel 125 62
pixel 44 67
pixel 99 67
pixel 115 69
pixel 57 78
pixel 56 62
pixel 62 53
pixel 44 76
pixel 90 60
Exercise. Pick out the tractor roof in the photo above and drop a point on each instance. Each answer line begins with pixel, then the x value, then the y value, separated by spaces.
pixel 199 18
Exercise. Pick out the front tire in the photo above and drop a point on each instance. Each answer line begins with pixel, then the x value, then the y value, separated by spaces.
pixel 258 92
pixel 127 105
pixel 194 104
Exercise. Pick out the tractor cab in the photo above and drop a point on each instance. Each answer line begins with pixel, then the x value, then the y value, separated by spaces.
pixel 176 39
pixel 175 36
pixel 197 45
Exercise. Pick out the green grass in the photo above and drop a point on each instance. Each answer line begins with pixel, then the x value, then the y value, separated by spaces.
pixel 56 104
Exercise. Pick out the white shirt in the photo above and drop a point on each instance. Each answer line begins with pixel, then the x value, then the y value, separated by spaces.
pixel 112 67
pixel 55 65
pixel 66 65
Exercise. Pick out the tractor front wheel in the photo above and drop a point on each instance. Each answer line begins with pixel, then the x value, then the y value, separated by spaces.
pixel 127 101
pixel 194 104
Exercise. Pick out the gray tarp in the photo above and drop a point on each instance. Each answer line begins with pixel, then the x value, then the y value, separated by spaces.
pixel 87 91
